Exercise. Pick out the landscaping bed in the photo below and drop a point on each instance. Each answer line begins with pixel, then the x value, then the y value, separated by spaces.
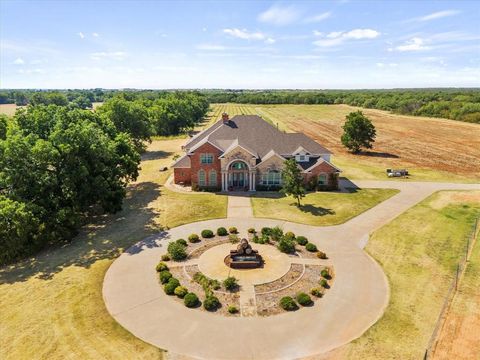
pixel 295 272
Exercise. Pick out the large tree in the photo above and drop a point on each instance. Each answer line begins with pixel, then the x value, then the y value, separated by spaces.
pixel 358 132
pixel 292 180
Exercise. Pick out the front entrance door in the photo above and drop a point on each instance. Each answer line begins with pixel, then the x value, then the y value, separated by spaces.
pixel 237 180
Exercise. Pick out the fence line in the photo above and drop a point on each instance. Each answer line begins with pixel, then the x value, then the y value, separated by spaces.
pixel 452 289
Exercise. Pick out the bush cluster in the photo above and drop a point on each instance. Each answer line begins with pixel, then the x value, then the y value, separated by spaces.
pixel 207 234
pixel 232 309
pixel 232 230
pixel 290 235
pixel 164 276
pixel 193 238
pixel 324 284
pixel 211 303
pixel 302 240
pixel 287 303
pixel 165 257
pixel 316 292
pixel 181 291
pixel 286 246
pixel 326 274
pixel 266 231
pixel 322 255
pixel 182 241
pixel 276 234
pixel 190 300
pixel 230 283
pixel 251 231
pixel 311 247
pixel 221 231
pixel 304 299
pixel 233 238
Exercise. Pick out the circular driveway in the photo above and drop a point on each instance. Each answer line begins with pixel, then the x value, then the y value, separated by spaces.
pixel 135 298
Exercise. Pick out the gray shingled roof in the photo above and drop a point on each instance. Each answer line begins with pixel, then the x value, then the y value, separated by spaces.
pixel 183 162
pixel 257 135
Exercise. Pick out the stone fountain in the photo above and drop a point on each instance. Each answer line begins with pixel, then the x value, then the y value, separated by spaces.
pixel 244 257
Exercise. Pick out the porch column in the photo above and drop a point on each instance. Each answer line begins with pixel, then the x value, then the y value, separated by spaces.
pixel 224 187
pixel 253 182
pixel 250 181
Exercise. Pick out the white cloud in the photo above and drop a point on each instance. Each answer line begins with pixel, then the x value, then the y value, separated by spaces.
pixel 244 34
pixel 270 41
pixel 82 36
pixel 94 34
pixel 19 61
pixel 279 15
pixel 113 55
pixel 414 44
pixel 318 18
pixel 317 33
pixel 338 37
pixel 438 15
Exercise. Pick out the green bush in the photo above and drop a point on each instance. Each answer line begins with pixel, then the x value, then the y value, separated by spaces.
pixel 207 234
pixel 316 292
pixel 230 283
pixel 177 251
pixel 311 247
pixel 221 231
pixel 232 230
pixel 251 231
pixel 182 242
pixel 322 255
pixel 165 257
pixel 180 291
pixel 287 303
pixel 190 300
pixel 170 286
pixel 232 309
pixel 211 303
pixel 165 275
pixel 324 284
pixel 233 238
pixel 255 239
pixel 302 240
pixel 290 235
pixel 266 231
pixel 193 238
pixel 286 246
pixel 276 234
pixel 161 266
pixel 304 299
pixel 326 274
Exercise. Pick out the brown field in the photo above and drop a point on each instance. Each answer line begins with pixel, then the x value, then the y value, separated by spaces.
pixel 8 109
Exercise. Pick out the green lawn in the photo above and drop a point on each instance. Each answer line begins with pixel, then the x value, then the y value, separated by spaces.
pixel 418 251
pixel 52 305
pixel 319 208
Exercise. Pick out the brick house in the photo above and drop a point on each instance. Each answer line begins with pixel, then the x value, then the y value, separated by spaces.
pixel 247 153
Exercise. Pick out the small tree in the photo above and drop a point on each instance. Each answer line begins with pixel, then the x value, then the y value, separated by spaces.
pixel 358 132
pixel 292 180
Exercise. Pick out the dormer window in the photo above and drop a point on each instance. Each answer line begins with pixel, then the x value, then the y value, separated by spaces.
pixel 301 158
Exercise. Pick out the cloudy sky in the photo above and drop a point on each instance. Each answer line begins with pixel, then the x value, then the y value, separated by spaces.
pixel 314 44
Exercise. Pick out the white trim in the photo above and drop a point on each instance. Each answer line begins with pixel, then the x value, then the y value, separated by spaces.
pixel 321 161
pixel 203 142
pixel 299 150
pixel 233 146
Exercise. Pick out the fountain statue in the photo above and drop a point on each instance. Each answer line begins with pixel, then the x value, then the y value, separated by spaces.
pixel 244 257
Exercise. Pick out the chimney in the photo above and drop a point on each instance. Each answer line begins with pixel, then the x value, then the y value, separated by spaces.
pixel 225 118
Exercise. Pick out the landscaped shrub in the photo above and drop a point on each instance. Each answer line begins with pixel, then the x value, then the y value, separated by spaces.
pixel 266 231
pixel 206 282
pixel 287 303
pixel 211 303
pixel 177 251
pixel 221 231
pixel 165 275
pixel 324 284
pixel 161 266
pixel 316 292
pixel 232 309
pixel 230 283
pixel 180 291
pixel 165 257
pixel 193 238
pixel 326 274
pixel 311 247
pixel 251 231
pixel 304 299
pixel 207 234
pixel 170 286
pixel 276 233
pixel 190 300
pixel 286 246
pixel 182 241
pixel 232 230
pixel 322 255
pixel 290 235
pixel 302 240
pixel 233 238
pixel 255 239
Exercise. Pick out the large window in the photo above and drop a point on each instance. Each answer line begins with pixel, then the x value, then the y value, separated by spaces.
pixel 206 158
pixel 201 178
pixel 238 165
pixel 272 177
pixel 322 179
pixel 212 178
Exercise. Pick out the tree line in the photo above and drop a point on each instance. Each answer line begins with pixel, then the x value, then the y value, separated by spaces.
pixel 60 164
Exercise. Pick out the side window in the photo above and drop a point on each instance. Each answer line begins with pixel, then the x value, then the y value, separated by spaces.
pixel 206 158
pixel 212 178
pixel 201 177
pixel 322 179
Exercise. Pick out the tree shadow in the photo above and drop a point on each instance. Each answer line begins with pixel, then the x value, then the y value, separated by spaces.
pixel 315 210
pixel 379 154
pixel 105 237
pixel 156 155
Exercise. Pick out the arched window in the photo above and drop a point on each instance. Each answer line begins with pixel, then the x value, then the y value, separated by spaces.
pixel 238 165
pixel 212 178
pixel 201 177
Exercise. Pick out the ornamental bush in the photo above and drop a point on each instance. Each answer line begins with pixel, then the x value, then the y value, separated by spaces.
pixel 177 251
pixel 322 255
pixel 255 239
pixel 181 291
pixel 316 292
pixel 221 231
pixel 232 230
pixel 287 303
pixel 311 247
pixel 193 238
pixel 251 231
pixel 170 286
pixel 266 231
pixel 165 275
pixel 230 283
pixel 161 266
pixel 211 303
pixel 165 257
pixel 232 309
pixel 324 284
pixel 190 300
pixel 207 234
pixel 326 274
pixel 182 241
pixel 304 299
pixel 286 246
pixel 276 234
pixel 290 235
pixel 302 240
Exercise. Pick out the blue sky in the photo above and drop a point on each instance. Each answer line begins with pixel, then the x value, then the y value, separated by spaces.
pixel 249 44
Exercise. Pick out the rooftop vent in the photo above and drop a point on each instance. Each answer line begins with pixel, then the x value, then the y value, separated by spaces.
pixel 225 118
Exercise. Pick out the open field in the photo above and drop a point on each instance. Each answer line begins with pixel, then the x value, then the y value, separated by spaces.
pixel 431 149
pixel 52 305
pixel 8 109
pixel 419 252
pixel 319 208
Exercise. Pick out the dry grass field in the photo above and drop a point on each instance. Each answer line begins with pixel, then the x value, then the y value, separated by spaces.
pixel 431 149
pixel 8 109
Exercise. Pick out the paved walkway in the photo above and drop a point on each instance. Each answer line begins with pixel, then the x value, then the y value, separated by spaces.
pixel 355 302
pixel 239 206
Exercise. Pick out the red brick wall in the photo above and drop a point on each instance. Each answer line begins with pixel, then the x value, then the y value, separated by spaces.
pixel 323 168
pixel 182 175
pixel 196 165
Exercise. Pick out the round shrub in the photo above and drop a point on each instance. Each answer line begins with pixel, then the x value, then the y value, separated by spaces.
pixel 251 231
pixel 311 247
pixel 165 257
pixel 287 303
pixel 321 255
pixel 190 300
pixel 255 239
pixel 266 231
pixel 230 283
pixel 180 291
pixel 193 238
pixel 232 230
pixel 177 251
pixel 165 275
pixel 316 292
pixel 276 234
pixel 161 266
pixel 290 235
pixel 182 241
pixel 206 234
pixel 170 286
pixel 221 231
pixel 286 246
pixel 302 240
pixel 232 309
pixel 326 274
pixel 211 303
pixel 324 284
pixel 304 299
